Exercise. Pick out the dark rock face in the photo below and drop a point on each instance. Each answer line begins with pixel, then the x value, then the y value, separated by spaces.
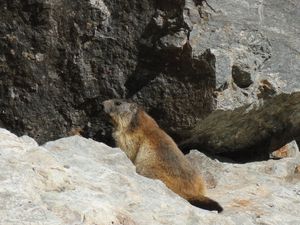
pixel 61 59
pixel 180 59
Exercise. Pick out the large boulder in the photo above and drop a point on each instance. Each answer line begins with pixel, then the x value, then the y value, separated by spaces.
pixel 79 181
pixel 256 129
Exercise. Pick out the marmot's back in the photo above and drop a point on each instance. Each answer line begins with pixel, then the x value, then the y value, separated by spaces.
pixel 154 153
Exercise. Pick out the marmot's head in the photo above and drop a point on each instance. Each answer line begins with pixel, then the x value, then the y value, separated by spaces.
pixel 121 111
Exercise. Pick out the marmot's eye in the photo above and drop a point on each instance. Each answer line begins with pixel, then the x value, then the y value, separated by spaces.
pixel 118 103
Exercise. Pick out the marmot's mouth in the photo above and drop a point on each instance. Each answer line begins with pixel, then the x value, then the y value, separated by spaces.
pixel 107 106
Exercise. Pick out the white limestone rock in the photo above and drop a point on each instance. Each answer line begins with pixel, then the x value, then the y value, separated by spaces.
pixel 254 193
pixel 79 181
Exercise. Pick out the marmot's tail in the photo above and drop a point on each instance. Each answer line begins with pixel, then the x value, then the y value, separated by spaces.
pixel 206 203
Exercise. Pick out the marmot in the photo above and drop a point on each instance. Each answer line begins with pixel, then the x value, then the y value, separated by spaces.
pixel 154 153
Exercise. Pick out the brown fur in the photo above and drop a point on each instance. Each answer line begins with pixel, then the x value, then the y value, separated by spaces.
pixel 155 154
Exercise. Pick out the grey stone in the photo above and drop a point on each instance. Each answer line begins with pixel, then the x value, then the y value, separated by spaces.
pixel 79 181
pixel 257 129
pixel 76 180
pixel 254 193
pixel 255 30
pixel 174 41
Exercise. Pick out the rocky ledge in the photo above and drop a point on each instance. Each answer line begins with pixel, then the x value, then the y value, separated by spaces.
pixel 80 181
pixel 250 132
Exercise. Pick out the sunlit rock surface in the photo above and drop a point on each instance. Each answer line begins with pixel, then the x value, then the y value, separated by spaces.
pixel 79 181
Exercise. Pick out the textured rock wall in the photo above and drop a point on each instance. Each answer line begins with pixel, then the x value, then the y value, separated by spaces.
pixel 180 59
pixel 60 59
pixel 256 48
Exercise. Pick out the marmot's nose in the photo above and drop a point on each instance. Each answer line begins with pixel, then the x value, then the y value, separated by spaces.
pixel 107 104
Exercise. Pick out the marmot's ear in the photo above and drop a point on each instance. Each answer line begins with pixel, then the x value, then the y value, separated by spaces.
pixel 133 107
